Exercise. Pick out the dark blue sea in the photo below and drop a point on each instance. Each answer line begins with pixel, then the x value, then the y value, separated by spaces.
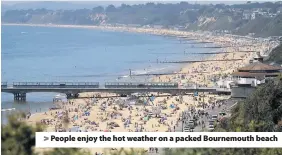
pixel 48 54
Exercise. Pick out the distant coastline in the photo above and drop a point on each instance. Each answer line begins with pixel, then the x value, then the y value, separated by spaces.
pixel 196 36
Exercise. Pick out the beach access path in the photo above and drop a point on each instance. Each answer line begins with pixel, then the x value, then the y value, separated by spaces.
pixel 229 104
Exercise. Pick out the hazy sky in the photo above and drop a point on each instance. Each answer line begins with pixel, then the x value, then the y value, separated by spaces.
pixel 67 4
pixel 139 1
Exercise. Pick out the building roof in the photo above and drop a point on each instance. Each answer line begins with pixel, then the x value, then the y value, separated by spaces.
pixel 248 74
pixel 258 66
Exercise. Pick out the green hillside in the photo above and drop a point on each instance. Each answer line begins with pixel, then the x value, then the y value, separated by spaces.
pixel 263 19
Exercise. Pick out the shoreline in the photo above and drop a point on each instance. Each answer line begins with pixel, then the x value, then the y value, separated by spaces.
pixel 193 36
pixel 202 73
pixel 152 31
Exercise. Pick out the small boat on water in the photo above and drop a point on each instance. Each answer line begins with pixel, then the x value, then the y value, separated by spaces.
pixel 8 109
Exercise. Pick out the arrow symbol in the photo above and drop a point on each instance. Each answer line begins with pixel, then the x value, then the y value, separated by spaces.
pixel 46 138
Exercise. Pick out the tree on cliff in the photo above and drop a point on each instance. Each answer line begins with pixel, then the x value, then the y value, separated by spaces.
pixel 276 54
pixel 18 138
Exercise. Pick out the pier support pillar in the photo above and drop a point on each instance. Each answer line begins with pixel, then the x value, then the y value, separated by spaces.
pixel 68 95
pixel 76 95
pixel 20 96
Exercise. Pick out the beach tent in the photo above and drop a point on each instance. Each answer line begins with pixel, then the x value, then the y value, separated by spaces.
pixel 172 106
pixel 146 118
pixel 75 117
pixel 196 93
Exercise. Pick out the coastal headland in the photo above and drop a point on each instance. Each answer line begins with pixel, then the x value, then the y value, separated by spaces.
pixel 162 114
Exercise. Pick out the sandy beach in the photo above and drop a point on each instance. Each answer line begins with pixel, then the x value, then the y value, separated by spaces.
pixel 161 114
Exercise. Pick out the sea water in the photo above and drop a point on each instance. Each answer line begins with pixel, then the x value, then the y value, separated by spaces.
pixel 49 54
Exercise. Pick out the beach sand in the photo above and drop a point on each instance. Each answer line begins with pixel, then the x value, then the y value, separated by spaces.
pixel 106 114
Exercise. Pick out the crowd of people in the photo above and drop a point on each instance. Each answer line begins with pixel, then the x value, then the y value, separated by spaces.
pixel 163 114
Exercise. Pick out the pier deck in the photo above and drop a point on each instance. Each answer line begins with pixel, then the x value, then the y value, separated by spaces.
pixel 20 89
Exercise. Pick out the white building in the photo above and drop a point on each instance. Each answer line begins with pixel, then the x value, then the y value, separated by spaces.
pixel 247 78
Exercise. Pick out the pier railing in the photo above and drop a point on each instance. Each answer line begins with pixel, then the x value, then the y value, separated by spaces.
pixel 20 89
pixel 140 85
pixel 31 85
pixel 4 84
pixel 55 84
pixel 36 86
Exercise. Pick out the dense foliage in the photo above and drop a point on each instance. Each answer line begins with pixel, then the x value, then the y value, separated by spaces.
pixel 261 112
pixel 232 18
pixel 276 55
pixel 18 138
